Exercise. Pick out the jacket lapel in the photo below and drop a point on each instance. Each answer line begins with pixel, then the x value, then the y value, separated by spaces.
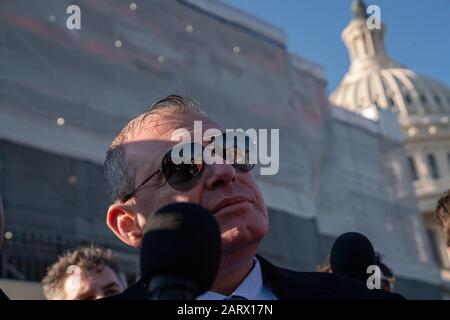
pixel 290 285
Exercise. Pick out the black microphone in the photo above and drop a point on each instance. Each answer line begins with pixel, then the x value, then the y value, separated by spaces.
pixel 351 254
pixel 181 251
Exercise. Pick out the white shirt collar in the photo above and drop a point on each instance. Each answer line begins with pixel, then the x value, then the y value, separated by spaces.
pixel 252 288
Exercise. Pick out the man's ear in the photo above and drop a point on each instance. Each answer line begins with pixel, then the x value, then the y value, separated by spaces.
pixel 124 224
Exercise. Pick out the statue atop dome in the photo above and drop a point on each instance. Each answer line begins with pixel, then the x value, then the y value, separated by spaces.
pixel 359 9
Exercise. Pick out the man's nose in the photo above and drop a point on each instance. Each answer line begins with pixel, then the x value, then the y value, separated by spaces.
pixel 219 175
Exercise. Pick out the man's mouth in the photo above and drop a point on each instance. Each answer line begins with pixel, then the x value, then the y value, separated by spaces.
pixel 229 202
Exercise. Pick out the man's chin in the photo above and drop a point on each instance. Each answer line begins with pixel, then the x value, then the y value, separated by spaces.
pixel 240 239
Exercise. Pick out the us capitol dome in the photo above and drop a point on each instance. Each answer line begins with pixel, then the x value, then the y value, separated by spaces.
pixel 421 104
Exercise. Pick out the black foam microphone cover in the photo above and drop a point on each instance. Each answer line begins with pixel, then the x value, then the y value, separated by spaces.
pixel 351 254
pixel 181 241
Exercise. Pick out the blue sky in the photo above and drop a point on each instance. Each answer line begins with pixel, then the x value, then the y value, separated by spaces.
pixel 417 35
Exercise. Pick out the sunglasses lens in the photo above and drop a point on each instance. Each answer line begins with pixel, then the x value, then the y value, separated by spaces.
pixel 239 158
pixel 239 150
pixel 183 176
pixel 244 167
pixel 184 172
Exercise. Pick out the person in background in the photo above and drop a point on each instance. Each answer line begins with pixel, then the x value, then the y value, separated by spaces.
pixel 387 276
pixel 3 296
pixel 86 273
pixel 443 216
pixel 352 253
pixel 325 267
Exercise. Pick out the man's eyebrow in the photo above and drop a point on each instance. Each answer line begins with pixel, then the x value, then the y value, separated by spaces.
pixel 110 285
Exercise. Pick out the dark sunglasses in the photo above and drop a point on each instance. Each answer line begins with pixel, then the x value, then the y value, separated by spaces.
pixel 183 175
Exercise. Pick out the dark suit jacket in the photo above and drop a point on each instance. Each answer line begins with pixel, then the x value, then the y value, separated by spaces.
pixel 3 296
pixel 290 285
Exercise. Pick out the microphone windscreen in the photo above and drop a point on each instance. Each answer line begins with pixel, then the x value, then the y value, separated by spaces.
pixel 182 240
pixel 351 254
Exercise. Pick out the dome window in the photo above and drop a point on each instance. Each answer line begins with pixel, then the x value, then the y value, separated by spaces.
pixel 423 98
pixel 407 98
pixel 432 166
pixel 391 101
pixel 437 99
pixel 412 168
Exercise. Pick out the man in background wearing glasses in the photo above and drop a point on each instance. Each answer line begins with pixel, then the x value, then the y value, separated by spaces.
pixel 141 179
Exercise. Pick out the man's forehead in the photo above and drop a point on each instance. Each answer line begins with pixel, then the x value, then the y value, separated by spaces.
pixel 78 281
pixel 161 127
pixel 86 278
pixel 154 137
pixel 157 131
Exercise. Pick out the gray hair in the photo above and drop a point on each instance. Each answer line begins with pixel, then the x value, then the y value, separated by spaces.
pixel 119 172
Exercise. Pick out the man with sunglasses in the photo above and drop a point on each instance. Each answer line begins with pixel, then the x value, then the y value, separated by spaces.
pixel 142 177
